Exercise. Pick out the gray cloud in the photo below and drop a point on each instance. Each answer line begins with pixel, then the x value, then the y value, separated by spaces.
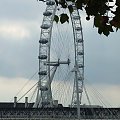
pixel 99 54
pixel 18 56
pixel 102 60
pixel 20 9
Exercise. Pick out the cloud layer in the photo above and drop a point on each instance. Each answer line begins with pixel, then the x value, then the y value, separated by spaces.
pixel 14 31
pixel 19 35
pixel 108 94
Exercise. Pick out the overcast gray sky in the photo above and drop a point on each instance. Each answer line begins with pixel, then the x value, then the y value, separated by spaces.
pixel 19 35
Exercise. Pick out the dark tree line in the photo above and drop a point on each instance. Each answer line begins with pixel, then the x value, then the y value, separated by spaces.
pixel 106 13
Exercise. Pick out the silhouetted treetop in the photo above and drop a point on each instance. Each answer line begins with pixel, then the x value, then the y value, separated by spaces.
pixel 106 13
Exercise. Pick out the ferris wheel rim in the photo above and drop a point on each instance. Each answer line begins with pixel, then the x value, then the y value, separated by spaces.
pixel 44 40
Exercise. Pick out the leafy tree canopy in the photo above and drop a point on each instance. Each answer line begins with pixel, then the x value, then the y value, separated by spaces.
pixel 106 13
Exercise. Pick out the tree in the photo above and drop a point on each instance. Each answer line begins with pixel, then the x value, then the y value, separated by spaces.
pixel 106 13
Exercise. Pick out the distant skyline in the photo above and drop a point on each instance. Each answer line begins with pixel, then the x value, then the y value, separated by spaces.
pixel 19 35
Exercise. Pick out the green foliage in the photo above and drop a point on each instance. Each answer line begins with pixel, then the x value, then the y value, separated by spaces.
pixel 79 4
pixel 106 17
pixel 70 8
pixel 56 18
pixel 64 18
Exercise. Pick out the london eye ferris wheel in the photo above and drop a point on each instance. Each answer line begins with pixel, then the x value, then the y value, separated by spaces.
pixel 61 56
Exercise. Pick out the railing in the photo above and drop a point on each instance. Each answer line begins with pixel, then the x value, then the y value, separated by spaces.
pixel 59 113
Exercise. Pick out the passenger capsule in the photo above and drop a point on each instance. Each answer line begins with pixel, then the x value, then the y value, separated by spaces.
pixel 80 78
pixel 43 88
pixel 45 26
pixel 80 90
pixel 79 40
pixel 47 13
pixel 76 17
pixel 80 66
pixel 50 2
pixel 43 41
pixel 75 102
pixel 80 53
pixel 78 28
pixel 42 57
pixel 42 73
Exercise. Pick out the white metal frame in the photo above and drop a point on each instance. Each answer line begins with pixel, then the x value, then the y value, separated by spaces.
pixel 44 95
